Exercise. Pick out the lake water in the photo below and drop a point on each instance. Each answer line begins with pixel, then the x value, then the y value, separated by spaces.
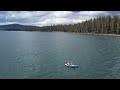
pixel 42 55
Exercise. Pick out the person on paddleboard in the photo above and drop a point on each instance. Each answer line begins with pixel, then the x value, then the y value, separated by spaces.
pixel 68 63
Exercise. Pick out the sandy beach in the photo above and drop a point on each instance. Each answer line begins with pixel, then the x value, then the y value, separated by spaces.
pixel 100 34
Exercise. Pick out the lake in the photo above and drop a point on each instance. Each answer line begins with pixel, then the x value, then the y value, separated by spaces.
pixel 42 55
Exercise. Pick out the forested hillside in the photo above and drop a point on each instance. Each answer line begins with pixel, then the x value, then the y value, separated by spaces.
pixel 105 25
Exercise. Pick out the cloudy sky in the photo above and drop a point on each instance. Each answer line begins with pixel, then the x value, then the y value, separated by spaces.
pixel 44 18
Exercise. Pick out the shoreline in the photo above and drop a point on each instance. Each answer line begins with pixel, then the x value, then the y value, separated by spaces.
pixel 75 32
pixel 100 34
pixel 96 34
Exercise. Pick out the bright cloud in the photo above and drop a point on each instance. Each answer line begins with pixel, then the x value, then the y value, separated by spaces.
pixel 5 23
pixel 43 18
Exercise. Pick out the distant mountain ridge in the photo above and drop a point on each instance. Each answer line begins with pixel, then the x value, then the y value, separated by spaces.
pixel 11 26
pixel 18 27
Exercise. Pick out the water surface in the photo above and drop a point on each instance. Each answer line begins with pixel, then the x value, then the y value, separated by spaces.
pixel 42 55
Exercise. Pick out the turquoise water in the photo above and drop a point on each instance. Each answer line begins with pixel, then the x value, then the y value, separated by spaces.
pixel 42 55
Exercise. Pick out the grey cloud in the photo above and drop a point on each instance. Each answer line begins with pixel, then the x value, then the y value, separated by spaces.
pixel 51 17
pixel 114 12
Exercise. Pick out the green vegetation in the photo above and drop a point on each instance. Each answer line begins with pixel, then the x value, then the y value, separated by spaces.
pixel 100 25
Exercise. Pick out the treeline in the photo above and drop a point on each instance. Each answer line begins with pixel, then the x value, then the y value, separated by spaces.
pixel 23 28
pixel 102 25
